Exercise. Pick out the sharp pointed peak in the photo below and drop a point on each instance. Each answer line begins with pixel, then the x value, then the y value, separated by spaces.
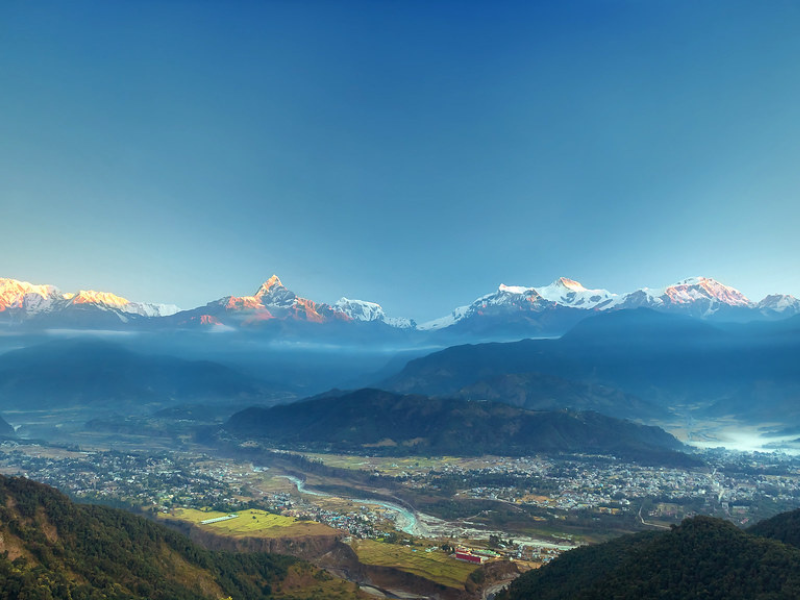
pixel 267 286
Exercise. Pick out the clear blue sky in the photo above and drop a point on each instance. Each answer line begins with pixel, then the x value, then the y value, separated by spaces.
pixel 412 153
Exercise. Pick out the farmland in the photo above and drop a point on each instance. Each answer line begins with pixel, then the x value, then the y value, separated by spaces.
pixel 429 562
pixel 251 522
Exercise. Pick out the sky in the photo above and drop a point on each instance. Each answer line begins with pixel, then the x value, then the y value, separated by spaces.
pixel 412 153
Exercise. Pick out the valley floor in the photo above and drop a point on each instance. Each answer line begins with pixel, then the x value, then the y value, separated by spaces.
pixel 410 514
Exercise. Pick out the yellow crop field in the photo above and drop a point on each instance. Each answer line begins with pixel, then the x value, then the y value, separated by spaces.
pixel 435 565
pixel 251 522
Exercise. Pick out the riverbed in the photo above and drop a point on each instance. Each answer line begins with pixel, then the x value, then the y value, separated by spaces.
pixel 426 526
pixel 407 521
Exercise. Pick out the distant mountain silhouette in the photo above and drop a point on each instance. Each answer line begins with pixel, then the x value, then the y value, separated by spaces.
pixel 6 430
pixel 535 391
pixel 665 360
pixel 104 375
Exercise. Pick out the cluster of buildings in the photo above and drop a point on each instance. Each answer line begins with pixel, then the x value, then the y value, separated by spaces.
pixel 163 479
pixel 737 485
pixel 615 487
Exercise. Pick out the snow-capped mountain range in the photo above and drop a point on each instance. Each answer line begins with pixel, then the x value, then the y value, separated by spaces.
pixel 21 301
pixel 700 297
pixel 273 302
pixel 562 292
pixel 543 309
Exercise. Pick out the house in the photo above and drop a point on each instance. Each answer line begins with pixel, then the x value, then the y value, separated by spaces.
pixel 466 554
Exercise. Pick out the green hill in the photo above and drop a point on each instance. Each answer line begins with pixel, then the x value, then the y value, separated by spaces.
pixel 702 558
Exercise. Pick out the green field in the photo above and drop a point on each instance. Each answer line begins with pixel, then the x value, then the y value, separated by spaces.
pixel 384 464
pixel 251 522
pixel 435 565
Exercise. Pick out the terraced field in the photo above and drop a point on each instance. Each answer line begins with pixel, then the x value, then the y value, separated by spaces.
pixel 434 565
pixel 251 522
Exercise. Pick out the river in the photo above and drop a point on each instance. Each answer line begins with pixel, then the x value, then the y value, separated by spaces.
pixel 406 520
pixel 421 525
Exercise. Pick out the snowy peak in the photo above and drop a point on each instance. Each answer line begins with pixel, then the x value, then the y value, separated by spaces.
pixel 100 298
pixel 443 322
pixel 108 301
pixel 701 297
pixel 569 284
pixel 273 293
pixel 26 297
pixel 359 310
pixel 509 293
pixel 562 292
pixel 273 283
pixel 517 301
pixel 507 297
pixel 27 301
pixel 568 292
pixel 704 288
pixel 370 312
pixel 510 309
pixel 779 306
pixel 273 301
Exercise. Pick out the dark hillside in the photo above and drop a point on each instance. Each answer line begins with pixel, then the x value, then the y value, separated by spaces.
pixel 702 558
pixel 784 527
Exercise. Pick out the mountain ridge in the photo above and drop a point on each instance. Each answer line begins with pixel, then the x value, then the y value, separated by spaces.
pixel 509 311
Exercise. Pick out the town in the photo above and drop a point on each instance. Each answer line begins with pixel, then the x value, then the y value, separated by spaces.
pixel 593 491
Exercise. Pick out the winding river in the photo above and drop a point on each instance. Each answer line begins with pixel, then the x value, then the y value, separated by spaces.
pixel 406 520
pixel 422 525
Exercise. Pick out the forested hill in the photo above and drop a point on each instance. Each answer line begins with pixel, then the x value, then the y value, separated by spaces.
pixel 702 558
pixel 51 548
pixel 376 421
pixel 784 527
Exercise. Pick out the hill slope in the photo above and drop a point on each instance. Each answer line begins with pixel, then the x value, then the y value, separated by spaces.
pixel 52 548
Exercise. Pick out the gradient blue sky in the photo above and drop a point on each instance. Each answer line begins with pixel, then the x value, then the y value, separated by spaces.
pixel 412 153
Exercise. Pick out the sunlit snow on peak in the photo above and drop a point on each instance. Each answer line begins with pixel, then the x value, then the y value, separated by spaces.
pixel 267 286
pixel 696 288
pixel 93 297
